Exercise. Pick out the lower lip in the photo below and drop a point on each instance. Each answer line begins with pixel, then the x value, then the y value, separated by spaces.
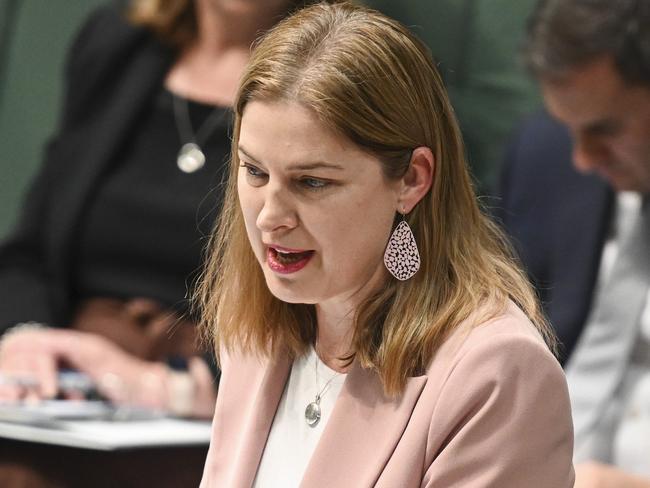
pixel 283 268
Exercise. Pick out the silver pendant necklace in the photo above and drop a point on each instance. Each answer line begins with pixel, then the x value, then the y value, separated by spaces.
pixel 191 157
pixel 313 410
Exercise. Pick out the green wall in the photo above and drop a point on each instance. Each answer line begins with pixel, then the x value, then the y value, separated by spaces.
pixel 477 46
pixel 30 89
pixel 475 42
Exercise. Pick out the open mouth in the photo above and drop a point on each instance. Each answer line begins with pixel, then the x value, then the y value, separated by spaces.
pixel 286 261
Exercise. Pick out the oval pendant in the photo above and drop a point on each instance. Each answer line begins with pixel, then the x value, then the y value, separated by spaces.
pixel 190 158
pixel 312 414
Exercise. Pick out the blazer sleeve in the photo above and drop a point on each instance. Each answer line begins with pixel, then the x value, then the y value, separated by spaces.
pixel 25 277
pixel 507 409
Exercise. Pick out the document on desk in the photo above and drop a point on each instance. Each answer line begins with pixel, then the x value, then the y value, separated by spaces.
pixel 97 425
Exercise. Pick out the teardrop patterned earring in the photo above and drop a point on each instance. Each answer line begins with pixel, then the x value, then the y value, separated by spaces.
pixel 402 258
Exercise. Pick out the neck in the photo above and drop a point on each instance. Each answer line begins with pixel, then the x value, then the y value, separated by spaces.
pixel 209 69
pixel 335 318
pixel 335 330
pixel 220 29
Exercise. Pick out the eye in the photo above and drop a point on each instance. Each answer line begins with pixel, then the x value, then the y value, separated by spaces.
pixel 314 183
pixel 254 173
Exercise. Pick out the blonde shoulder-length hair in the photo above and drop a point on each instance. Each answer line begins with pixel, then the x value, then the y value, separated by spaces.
pixel 369 79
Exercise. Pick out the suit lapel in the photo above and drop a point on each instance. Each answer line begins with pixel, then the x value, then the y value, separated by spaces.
pixel 363 420
pixel 581 230
pixel 259 420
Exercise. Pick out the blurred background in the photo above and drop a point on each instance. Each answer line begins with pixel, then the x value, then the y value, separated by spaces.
pixel 34 37
pixel 475 42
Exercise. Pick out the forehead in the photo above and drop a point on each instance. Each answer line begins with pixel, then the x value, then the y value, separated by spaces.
pixel 588 93
pixel 286 133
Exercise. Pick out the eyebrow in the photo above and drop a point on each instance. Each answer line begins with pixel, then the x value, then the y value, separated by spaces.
pixel 299 166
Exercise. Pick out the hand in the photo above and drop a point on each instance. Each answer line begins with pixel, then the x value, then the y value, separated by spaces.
pixel 121 377
pixel 28 365
pixel 596 475
pixel 30 358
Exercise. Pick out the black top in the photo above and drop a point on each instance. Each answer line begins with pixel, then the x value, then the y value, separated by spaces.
pixel 146 202
pixel 109 195
pixel 112 121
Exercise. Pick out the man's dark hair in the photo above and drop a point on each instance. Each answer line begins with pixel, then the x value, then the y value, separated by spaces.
pixel 565 34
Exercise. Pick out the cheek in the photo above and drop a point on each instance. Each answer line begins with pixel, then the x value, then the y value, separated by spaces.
pixel 356 238
pixel 629 149
pixel 249 208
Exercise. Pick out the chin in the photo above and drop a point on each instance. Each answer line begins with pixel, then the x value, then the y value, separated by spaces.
pixel 239 7
pixel 288 290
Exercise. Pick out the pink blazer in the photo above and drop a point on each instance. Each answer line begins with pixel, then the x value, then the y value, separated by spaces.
pixel 492 410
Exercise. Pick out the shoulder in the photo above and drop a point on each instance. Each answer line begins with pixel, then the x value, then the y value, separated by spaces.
pixel 499 400
pixel 105 43
pixel 105 49
pixel 537 160
pixel 497 409
pixel 538 138
pixel 503 346
pixel 105 30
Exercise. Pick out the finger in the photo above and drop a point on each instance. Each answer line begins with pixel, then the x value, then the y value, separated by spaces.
pixel 44 369
pixel 18 376
pixel 10 391
pixel 113 388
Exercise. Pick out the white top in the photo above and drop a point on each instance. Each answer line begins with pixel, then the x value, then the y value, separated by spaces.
pixel 629 410
pixel 292 441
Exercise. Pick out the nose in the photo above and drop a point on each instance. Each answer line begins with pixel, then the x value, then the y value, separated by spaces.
pixel 588 153
pixel 277 211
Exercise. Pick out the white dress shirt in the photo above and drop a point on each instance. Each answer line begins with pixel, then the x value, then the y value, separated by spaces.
pixel 624 439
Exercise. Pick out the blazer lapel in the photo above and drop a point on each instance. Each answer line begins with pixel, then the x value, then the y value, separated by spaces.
pixel 259 420
pixel 363 420
pixel 580 234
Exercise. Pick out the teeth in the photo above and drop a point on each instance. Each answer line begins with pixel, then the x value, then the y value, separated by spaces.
pixel 288 257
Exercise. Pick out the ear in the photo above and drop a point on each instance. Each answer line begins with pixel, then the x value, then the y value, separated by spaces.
pixel 418 179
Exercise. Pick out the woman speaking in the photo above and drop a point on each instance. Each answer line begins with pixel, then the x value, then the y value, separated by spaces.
pixel 371 326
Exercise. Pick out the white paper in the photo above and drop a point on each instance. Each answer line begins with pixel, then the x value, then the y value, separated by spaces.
pixel 75 424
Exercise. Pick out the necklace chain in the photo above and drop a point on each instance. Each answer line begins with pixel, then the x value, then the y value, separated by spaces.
pixel 184 121
pixel 320 393
pixel 191 157
pixel 313 410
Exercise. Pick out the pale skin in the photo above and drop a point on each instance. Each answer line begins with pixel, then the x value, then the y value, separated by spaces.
pixel 206 71
pixel 209 70
pixel 305 188
pixel 609 121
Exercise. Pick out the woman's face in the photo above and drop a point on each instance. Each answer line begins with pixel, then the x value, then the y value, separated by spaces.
pixel 318 210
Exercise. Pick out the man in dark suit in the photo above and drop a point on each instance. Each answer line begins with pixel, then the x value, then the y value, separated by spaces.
pixel 582 229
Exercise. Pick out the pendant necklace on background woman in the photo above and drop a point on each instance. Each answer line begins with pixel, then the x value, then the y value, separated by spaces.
pixel 191 157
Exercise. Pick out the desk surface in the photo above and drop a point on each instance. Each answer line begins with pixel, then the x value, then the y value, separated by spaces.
pixel 93 425
pixel 112 435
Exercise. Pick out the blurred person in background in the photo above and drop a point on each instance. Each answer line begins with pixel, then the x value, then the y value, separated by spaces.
pixel 95 274
pixel 583 229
